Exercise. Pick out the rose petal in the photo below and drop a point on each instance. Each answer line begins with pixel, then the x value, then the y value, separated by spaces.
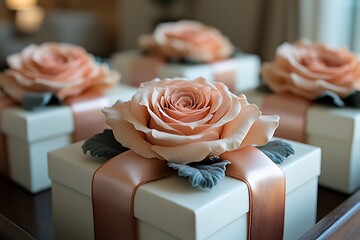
pixel 170 136
pixel 238 129
pixel 308 69
pixel 187 39
pixel 170 140
pixel 261 131
pixel 194 152
pixel 125 132
pixel 62 69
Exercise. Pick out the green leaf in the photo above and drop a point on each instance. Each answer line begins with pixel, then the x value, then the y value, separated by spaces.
pixel 202 175
pixel 103 145
pixel 277 150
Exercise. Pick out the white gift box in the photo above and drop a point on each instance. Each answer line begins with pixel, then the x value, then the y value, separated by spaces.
pixel 337 132
pixel 220 213
pixel 239 73
pixel 31 134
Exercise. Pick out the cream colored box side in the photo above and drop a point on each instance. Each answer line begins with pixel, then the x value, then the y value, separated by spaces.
pixel 73 216
pixel 28 161
pixel 52 121
pixel 336 132
pixel 37 125
pixel 183 203
pixel 32 134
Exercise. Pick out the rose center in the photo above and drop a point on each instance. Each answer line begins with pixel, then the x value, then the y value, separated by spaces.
pixel 185 102
pixel 53 59
pixel 323 59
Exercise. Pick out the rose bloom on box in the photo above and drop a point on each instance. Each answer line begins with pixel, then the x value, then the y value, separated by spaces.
pixel 64 70
pixel 189 40
pixel 64 76
pixel 188 49
pixel 311 70
pixel 197 128
pixel 186 121
pixel 315 90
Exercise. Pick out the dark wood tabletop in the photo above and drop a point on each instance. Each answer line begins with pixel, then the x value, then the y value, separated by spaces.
pixel 24 215
pixel 341 223
pixel 28 216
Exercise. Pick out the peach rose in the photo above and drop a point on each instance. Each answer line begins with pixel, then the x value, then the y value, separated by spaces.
pixel 187 39
pixel 309 69
pixel 185 121
pixel 63 69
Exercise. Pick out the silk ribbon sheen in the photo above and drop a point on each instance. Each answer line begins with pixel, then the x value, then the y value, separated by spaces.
pixel 88 117
pixel 115 183
pixel 225 72
pixel 292 110
pixel 267 191
pixel 113 191
pixel 144 68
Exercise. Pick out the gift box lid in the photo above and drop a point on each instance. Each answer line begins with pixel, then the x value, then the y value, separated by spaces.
pixel 205 210
pixel 51 121
pixel 35 125
pixel 341 123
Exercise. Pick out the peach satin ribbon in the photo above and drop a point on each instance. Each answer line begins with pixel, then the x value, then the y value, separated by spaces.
pixel 115 183
pixel 292 110
pixel 144 68
pixel 267 191
pixel 225 72
pixel 113 191
pixel 88 117
pixel 5 102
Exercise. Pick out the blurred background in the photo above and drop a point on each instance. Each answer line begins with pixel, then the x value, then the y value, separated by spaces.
pixel 108 26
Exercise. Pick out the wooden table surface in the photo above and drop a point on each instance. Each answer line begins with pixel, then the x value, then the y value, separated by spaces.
pixel 23 212
pixel 28 216
pixel 341 223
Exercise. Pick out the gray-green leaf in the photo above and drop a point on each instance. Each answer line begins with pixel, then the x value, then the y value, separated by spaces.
pixel 103 145
pixel 277 150
pixel 202 175
pixel 34 100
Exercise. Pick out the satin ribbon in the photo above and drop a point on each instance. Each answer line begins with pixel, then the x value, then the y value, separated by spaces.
pixel 267 191
pixel 225 72
pixel 292 110
pixel 113 190
pixel 115 183
pixel 87 111
pixel 5 102
pixel 144 68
